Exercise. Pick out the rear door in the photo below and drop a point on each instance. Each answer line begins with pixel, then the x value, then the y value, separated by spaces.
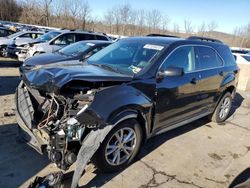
pixel 176 97
pixel 211 75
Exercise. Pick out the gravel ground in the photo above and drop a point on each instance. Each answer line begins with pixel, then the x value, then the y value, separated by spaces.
pixel 200 154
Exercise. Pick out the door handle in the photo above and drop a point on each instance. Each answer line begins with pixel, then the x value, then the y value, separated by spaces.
pixel 193 81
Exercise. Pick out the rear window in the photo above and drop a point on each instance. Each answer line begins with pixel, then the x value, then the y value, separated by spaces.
pixel 208 58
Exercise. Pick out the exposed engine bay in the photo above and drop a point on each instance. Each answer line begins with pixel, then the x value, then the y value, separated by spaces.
pixel 55 122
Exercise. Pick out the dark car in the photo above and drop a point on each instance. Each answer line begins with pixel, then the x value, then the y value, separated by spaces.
pixel 73 53
pixel 128 92
pixel 4 32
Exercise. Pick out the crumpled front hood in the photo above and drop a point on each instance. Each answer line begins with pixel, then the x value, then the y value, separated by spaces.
pixel 51 78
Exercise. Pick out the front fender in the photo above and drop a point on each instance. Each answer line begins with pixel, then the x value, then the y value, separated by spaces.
pixel 113 104
pixel 111 101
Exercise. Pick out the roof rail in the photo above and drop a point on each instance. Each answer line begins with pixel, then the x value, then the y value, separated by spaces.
pixel 161 35
pixel 204 39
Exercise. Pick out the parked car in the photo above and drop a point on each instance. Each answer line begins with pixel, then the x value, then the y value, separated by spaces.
pixel 24 46
pixel 65 38
pixel 242 58
pixel 70 54
pixel 240 50
pixel 4 41
pixel 4 32
pixel 15 46
pixel 126 93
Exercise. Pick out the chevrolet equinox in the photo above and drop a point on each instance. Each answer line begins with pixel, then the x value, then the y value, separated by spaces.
pixel 104 109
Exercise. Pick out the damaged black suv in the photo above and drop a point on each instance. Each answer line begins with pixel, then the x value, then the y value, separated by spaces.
pixel 136 88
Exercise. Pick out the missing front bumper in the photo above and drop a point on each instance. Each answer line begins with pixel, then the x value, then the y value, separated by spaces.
pixel 24 117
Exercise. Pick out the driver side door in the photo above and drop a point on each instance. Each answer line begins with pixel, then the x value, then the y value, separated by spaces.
pixel 177 96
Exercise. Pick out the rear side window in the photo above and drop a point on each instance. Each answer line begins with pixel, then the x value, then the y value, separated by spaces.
pixel 208 58
pixel 80 37
pixel 183 57
pixel 99 37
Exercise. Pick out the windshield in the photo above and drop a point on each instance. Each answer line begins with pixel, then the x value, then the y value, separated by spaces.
pixel 48 36
pixel 76 48
pixel 246 58
pixel 15 35
pixel 126 57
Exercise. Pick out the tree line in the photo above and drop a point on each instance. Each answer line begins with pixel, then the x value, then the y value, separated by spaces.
pixel 121 20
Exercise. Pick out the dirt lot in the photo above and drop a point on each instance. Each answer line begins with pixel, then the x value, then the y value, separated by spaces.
pixel 200 154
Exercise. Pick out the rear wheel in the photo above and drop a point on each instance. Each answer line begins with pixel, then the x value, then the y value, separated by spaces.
pixel 223 108
pixel 120 147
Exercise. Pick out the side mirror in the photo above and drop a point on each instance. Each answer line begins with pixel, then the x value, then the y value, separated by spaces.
pixel 170 71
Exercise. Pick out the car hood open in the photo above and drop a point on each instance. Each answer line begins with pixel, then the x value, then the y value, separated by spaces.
pixel 52 78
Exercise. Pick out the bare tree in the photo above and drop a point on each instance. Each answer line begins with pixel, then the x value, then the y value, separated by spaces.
pixel 46 4
pixel 153 19
pixel 9 10
pixel 176 28
pixel 165 22
pixel 202 29
pixel 212 26
pixel 125 12
pixel 109 19
pixel 140 21
pixel 188 26
pixel 84 14
pixel 32 13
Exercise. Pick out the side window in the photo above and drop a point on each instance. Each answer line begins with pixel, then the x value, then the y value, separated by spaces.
pixel 81 37
pixel 183 57
pixel 65 39
pixel 26 35
pixel 99 37
pixel 208 58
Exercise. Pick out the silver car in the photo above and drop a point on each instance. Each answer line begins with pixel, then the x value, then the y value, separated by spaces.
pixel 5 41
pixel 65 38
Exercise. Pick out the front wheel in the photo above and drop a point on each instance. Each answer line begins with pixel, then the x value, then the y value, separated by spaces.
pixel 223 108
pixel 120 147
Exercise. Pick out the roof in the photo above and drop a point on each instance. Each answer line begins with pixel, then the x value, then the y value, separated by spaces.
pixel 170 40
pixel 79 31
pixel 96 41
pixel 157 40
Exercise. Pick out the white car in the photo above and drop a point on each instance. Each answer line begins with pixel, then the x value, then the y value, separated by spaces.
pixel 65 38
pixel 242 58
pixel 5 41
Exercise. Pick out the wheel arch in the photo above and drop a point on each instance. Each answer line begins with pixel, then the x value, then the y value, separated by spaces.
pixel 131 112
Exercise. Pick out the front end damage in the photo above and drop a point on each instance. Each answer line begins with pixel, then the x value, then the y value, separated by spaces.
pixel 56 123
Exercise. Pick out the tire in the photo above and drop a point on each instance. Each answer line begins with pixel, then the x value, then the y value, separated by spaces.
pixel 105 164
pixel 225 104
